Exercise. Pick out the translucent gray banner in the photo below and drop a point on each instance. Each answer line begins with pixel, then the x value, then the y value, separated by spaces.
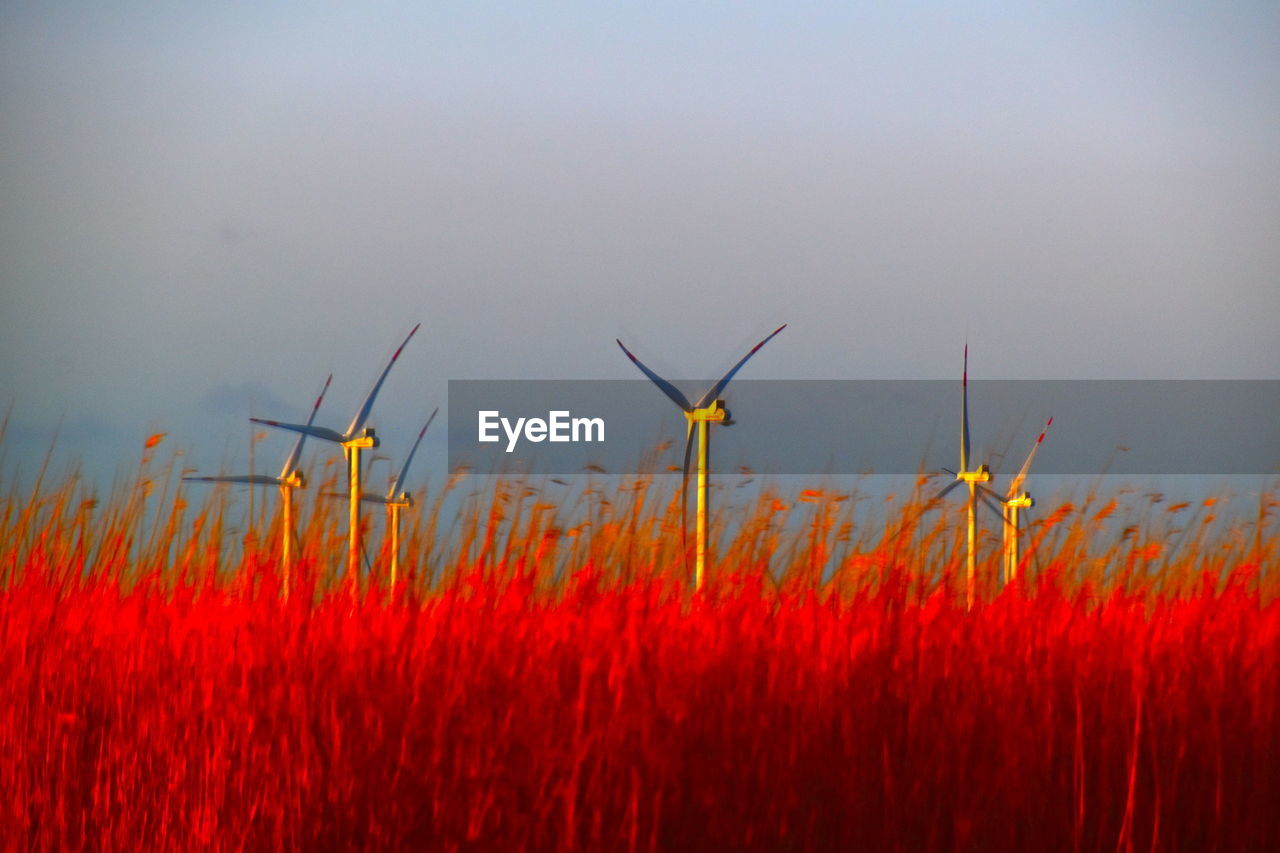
pixel 816 427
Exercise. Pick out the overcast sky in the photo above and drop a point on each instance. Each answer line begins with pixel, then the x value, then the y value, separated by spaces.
pixel 206 207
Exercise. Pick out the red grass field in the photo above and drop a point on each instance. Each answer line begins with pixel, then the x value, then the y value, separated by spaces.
pixel 535 684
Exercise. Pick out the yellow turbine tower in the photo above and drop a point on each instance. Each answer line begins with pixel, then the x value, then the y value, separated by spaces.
pixel 708 410
pixel 397 499
pixel 356 438
pixel 973 480
pixel 290 478
pixel 1016 500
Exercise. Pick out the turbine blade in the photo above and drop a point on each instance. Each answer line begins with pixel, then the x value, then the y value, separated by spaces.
pixel 292 461
pixel 317 432
pixel 404 472
pixel 362 414
pixel 988 493
pixel 1016 485
pixel 724 380
pixel 994 507
pixel 964 412
pixel 248 479
pixel 667 388
pixel 684 497
pixel 942 494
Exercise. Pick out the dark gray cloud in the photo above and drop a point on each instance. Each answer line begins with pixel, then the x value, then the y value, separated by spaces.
pixel 248 398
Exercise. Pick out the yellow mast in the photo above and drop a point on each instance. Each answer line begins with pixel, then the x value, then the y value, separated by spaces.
pixel 393 520
pixel 702 419
pixel 972 479
pixel 1011 530
pixel 288 483
pixel 351 448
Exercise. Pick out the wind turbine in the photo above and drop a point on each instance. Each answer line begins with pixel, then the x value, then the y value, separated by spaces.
pixel 708 410
pixel 397 499
pixel 356 438
pixel 1015 500
pixel 973 479
pixel 290 478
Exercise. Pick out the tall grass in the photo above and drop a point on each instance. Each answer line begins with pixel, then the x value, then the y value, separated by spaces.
pixel 545 678
pixel 627 528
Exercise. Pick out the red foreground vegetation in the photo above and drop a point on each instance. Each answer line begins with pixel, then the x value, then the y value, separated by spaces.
pixel 543 678
pixel 637 717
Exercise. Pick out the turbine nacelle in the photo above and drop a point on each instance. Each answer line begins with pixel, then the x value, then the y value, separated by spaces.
pixel 981 475
pixel 714 413
pixel 364 439
pixel 1022 501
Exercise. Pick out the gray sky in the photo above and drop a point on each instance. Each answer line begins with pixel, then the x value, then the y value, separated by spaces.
pixel 208 207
